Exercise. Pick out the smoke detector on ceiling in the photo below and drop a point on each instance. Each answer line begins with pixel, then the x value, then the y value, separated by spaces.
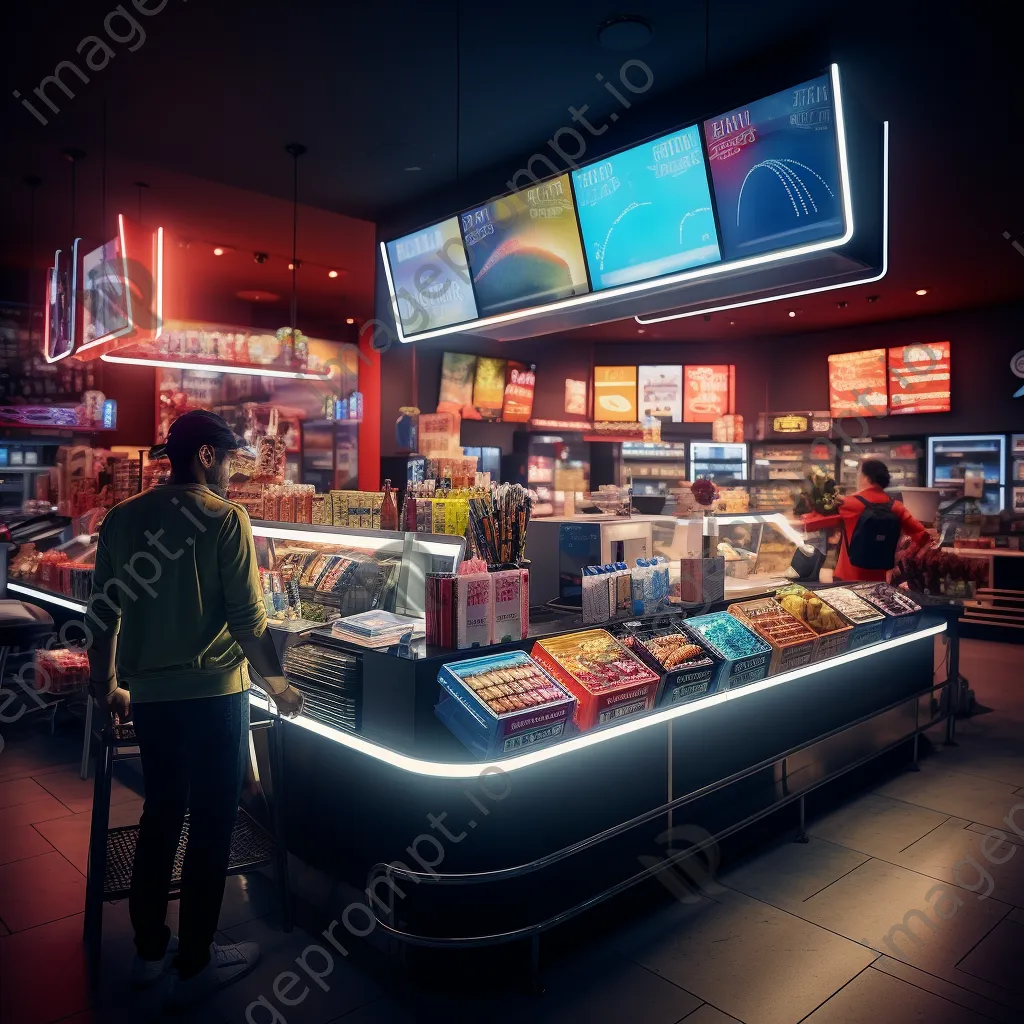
pixel 625 32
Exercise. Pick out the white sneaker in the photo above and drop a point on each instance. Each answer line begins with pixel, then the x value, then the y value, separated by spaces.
pixel 227 964
pixel 148 972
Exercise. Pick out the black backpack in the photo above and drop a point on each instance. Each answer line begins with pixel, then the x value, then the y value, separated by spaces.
pixel 875 537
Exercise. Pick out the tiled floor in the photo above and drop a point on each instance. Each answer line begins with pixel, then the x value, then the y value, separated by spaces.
pixel 907 904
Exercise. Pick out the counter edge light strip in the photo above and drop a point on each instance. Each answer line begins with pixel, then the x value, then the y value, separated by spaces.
pixel 45 595
pixel 248 371
pixel 641 287
pixel 856 283
pixel 451 770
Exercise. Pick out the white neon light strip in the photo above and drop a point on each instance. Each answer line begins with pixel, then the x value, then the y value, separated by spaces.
pixel 450 770
pixel 159 282
pixel 248 371
pixel 854 283
pixel 641 287
pixel 127 294
pixel 45 595
pixel 776 519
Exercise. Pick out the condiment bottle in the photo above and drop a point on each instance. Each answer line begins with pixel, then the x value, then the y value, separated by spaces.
pixel 388 509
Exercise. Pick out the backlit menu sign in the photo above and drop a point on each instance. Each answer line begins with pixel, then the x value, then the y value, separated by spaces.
pixel 61 315
pixel 489 387
pixel 520 382
pixel 106 296
pixel 661 392
pixel 919 377
pixel 775 169
pixel 429 278
pixel 857 383
pixel 709 392
pixel 524 249
pixel 647 212
pixel 615 394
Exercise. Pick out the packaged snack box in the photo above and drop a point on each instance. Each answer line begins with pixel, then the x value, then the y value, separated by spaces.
pixel 747 657
pixel 793 642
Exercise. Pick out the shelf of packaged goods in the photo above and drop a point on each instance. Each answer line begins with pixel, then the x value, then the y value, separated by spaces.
pixel 471 770
pixel 34 593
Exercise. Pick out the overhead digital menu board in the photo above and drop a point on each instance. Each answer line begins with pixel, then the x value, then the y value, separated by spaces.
pixel 106 298
pixel 61 314
pixel 524 249
pixel 647 212
pixel 857 383
pixel 615 394
pixel 661 392
pixel 919 377
pixel 709 392
pixel 430 279
pixel 458 372
pixel 775 171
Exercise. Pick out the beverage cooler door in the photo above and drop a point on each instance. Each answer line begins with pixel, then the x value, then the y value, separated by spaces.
pixel 723 463
pixel 951 458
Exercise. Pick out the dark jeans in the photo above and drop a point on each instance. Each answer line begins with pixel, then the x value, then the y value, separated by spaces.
pixel 194 754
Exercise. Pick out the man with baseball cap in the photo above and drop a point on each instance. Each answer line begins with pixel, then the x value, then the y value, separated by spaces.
pixel 177 597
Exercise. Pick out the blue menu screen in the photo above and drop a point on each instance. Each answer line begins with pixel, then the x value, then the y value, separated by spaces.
pixel 647 212
pixel 775 171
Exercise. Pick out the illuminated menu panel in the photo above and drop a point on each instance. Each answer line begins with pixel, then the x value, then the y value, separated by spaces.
pixel 615 394
pixel 430 278
pixel 520 383
pixel 489 387
pixel 775 170
pixel 919 378
pixel 857 383
pixel 661 392
pixel 524 249
pixel 647 211
pixel 709 392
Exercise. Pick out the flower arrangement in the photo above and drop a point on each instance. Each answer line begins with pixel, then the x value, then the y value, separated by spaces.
pixel 821 497
pixel 704 492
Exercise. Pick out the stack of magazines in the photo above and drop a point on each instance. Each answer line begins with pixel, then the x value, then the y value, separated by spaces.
pixel 376 628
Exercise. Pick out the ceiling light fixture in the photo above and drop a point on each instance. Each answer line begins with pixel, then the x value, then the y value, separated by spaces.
pixel 259 257
pixel 872 298
pixel 412 170
pixel 332 273
pixel 218 251
pixel 351 320
pixel 921 291
pixel 625 32
pixel 842 304
pixel 792 312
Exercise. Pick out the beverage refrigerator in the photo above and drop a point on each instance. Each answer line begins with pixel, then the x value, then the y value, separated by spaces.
pixel 903 458
pixel 951 459
pixel 722 463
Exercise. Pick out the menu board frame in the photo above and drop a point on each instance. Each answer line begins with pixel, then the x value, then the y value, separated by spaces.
pixel 898 374
pixel 603 410
pixel 703 413
pixel 518 378
pixel 854 407
pixel 672 404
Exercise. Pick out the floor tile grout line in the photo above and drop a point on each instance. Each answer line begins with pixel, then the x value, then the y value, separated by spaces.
pixel 982 939
pixel 931 974
pixel 946 820
pixel 837 991
pixel 839 879
pixel 921 988
pixel 655 974
pixel 41 924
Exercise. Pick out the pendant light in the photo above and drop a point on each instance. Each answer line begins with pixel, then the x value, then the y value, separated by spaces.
pixel 295 150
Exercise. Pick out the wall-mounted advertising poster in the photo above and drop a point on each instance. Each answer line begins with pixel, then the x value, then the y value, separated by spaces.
pixel 615 394
pixel 489 387
pixel 919 378
pixel 661 392
pixel 520 383
pixel 857 383
pixel 575 397
pixel 709 392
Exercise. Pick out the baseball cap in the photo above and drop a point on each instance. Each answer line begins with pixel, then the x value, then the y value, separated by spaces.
pixel 190 432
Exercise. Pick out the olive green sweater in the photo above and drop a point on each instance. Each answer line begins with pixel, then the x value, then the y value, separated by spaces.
pixel 177 582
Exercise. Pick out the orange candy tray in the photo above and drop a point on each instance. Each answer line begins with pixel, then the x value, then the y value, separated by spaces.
pixel 793 642
pixel 609 683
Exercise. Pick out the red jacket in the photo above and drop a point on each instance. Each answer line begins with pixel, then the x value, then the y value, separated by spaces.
pixel 846 518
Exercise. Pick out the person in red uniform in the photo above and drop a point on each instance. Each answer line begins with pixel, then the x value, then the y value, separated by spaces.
pixel 871 485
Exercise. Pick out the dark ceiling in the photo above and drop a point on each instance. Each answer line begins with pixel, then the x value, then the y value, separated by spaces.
pixel 466 91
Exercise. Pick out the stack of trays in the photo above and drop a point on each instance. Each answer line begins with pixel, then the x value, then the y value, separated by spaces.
pixel 610 684
pixel 746 656
pixel 687 667
pixel 502 704
pixel 869 624
pixel 793 642
pixel 902 613
pixel 834 632
pixel 330 681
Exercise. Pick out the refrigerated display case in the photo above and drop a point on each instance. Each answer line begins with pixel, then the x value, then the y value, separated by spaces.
pixel 653 469
pixel 779 472
pixel 550 465
pixel 723 463
pixel 902 457
pixel 950 459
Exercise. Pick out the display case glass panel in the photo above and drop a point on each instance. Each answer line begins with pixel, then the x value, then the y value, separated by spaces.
pixel 952 459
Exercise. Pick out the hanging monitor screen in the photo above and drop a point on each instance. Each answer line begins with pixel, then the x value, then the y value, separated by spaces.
pixel 919 377
pixel 775 170
pixel 647 211
pixel 429 278
pixel 857 383
pixel 61 313
pixel 524 249
pixel 106 297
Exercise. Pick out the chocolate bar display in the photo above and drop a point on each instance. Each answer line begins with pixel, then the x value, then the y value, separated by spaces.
pixel 793 642
pixel 901 611
pixel 609 682
pixel 503 703
pixel 747 656
pixel 688 669
pixel 869 624
pixel 834 632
